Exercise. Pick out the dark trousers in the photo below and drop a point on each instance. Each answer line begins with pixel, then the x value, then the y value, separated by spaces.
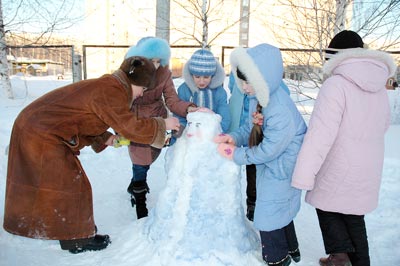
pixel 276 244
pixel 139 172
pixel 251 193
pixel 345 233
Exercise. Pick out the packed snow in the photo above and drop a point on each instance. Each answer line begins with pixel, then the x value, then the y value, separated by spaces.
pixel 197 204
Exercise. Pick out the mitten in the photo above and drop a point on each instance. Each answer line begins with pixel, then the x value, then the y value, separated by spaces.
pixel 226 150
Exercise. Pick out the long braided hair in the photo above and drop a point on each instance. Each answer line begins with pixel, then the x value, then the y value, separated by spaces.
pixel 256 134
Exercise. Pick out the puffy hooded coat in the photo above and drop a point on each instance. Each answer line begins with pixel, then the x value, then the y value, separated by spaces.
pixel 213 97
pixel 155 102
pixel 48 194
pixel 341 160
pixel 283 128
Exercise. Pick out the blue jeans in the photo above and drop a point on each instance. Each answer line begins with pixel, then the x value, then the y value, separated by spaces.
pixel 139 172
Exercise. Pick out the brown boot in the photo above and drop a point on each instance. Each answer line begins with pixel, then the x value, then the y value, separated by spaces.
pixel 336 259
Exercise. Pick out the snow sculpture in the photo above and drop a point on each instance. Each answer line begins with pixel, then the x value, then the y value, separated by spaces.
pixel 199 212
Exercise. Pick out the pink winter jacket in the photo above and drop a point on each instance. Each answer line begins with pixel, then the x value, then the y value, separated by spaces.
pixel 340 162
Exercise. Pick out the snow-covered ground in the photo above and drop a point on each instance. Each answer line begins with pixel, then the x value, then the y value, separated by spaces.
pixel 110 173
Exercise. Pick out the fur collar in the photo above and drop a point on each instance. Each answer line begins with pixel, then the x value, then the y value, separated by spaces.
pixel 345 54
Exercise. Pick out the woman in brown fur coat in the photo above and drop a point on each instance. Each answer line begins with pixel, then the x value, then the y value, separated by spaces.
pixel 48 195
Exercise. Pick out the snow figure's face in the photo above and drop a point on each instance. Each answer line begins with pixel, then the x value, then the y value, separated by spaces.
pixel 202 126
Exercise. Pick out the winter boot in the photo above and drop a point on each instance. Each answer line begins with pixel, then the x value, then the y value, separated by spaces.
pixel 250 209
pixel 295 254
pixel 337 259
pixel 284 262
pixel 98 242
pixel 139 189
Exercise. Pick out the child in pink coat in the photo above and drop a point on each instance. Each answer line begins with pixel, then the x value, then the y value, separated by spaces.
pixel 340 162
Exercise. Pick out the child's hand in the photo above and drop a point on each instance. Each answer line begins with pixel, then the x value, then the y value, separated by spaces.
pixel 172 123
pixel 110 141
pixel 226 150
pixel 258 118
pixel 192 109
pixel 119 141
pixel 224 138
pixel 205 110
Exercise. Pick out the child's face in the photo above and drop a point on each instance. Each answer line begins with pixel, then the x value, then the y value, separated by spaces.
pixel 202 81
pixel 247 88
pixel 137 91
pixel 156 62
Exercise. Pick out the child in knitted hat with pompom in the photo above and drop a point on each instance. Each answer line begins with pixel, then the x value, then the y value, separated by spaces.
pixel 203 86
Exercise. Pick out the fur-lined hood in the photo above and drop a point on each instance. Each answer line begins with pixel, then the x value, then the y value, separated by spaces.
pixel 263 67
pixel 368 69
pixel 216 81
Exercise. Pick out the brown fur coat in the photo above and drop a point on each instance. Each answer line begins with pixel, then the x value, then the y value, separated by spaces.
pixel 48 194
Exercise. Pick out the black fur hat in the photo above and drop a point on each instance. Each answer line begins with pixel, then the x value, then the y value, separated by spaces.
pixel 344 40
pixel 140 71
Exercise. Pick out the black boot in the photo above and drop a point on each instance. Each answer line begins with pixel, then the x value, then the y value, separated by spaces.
pixel 139 189
pixel 284 262
pixel 295 254
pixel 97 242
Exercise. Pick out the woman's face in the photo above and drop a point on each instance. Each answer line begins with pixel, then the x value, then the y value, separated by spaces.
pixel 202 81
pixel 156 62
pixel 247 88
pixel 137 91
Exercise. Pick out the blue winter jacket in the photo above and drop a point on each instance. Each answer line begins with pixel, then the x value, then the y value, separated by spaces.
pixel 283 128
pixel 213 97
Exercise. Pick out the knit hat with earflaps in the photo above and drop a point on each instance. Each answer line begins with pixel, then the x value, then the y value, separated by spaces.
pixel 343 40
pixel 140 71
pixel 151 47
pixel 202 63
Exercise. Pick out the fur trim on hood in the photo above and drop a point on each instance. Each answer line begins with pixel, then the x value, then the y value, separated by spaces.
pixel 355 53
pixel 151 47
pixel 216 80
pixel 262 66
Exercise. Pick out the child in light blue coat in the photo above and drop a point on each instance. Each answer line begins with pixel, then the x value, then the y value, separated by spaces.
pixel 273 133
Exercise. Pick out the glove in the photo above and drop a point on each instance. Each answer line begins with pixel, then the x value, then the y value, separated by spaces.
pixel 226 150
pixel 224 138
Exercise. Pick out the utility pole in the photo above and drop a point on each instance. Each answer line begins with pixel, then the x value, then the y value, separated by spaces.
pixel 244 23
pixel 163 19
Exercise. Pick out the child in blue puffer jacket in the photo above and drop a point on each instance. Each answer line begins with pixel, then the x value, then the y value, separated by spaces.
pixel 273 133
pixel 203 86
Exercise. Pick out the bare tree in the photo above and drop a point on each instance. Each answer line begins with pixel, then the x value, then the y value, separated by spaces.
pixel 309 25
pixel 32 22
pixel 5 79
pixel 203 15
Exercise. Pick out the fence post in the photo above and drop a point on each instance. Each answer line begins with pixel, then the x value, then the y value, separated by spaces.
pixel 76 67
